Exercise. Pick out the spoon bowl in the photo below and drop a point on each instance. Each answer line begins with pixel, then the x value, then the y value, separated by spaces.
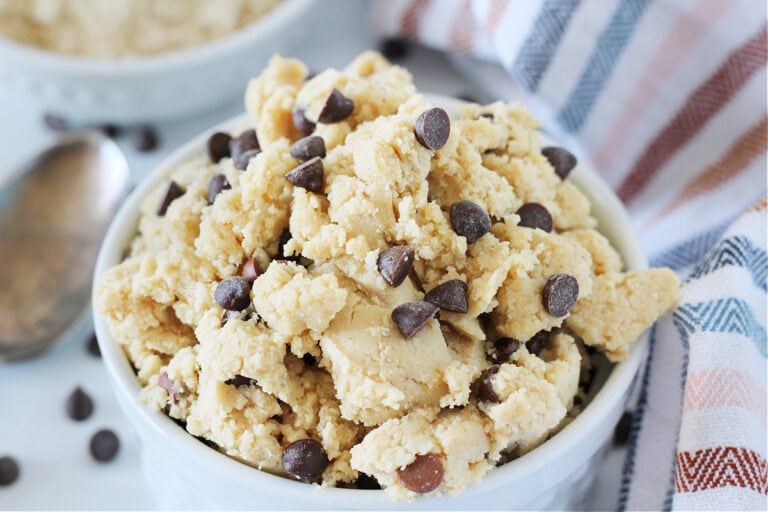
pixel 54 213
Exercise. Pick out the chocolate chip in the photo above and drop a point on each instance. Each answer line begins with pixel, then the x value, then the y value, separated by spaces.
pixel 55 122
pixel 394 48
pixel 9 470
pixel 623 429
pixel 243 159
pixel 422 475
pixel 534 215
pixel 285 237
pixel 173 192
pixel 309 359
pixel 308 147
pixel 469 220
pixel 144 138
pixel 336 108
pixel 93 346
pixel 561 159
pixel 247 141
pixel 537 343
pixel 395 263
pixel 503 349
pixel 450 296
pixel 308 175
pixel 233 293
pixel 104 445
pixel 560 294
pixel 301 123
pixel 216 185
pixel 487 115
pixel 367 482
pixel 305 459
pixel 432 128
pixel 79 405
pixel 412 316
pixel 485 392
pixel 218 146
pixel 240 380
pixel 251 270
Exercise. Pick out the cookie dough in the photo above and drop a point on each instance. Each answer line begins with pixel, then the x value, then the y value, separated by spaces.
pixel 317 361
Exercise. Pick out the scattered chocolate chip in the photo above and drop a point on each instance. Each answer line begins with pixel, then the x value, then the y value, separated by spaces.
pixel 218 146
pixel 301 123
pixel 469 220
pixel 307 148
pixel 305 459
pixel 251 269
pixel 79 405
pixel 308 175
pixel 537 343
pixel 173 192
pixel 367 482
pixel 233 293
pixel 240 380
pixel 337 107
pixel 395 263
pixel 561 159
pixel 560 294
pixel 623 429
pixel 9 470
pixel 247 141
pixel 55 122
pixel 309 359
pixel 144 138
pixel 422 475
pixel 412 316
pixel 450 296
pixel 432 128
pixel 534 215
pixel 243 159
pixel 485 392
pixel 93 346
pixel 503 349
pixel 216 185
pixel 104 445
pixel 394 48
pixel 108 129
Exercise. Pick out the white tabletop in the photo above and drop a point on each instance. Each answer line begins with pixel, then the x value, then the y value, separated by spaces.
pixel 57 471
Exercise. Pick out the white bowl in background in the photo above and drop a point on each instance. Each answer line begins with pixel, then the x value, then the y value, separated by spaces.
pixel 185 473
pixel 149 88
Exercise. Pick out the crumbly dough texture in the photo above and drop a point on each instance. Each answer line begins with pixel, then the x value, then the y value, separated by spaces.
pixel 124 28
pixel 317 354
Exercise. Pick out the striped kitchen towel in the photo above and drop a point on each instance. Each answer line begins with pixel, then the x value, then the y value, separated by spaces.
pixel 667 100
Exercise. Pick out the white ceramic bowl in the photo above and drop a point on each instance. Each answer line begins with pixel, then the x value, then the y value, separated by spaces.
pixel 166 85
pixel 185 473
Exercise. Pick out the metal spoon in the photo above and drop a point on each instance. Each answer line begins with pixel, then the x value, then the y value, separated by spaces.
pixel 53 214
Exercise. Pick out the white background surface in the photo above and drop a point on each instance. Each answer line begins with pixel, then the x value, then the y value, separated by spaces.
pixel 57 471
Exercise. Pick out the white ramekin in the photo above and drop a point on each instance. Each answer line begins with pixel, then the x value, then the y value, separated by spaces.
pixel 150 88
pixel 185 473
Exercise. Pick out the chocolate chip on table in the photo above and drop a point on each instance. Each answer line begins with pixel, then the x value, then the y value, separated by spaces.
pixel 216 185
pixel 367 482
pixel 309 175
pixel 450 296
pixel 104 445
pixel 246 141
pixel 623 429
pixel 537 343
pixel 422 475
pixel 218 146
pixel 337 107
pixel 412 316
pixel 240 380
pixel 560 294
pixel 305 459
pixel 503 349
pixel 173 192
pixel 561 159
pixel 55 122
pixel 308 147
pixel 79 405
pixel 301 123
pixel 251 269
pixel 534 215
pixel 243 159
pixel 395 263
pixel 93 346
pixel 144 138
pixel 233 293
pixel 9 470
pixel 432 128
pixel 469 220
pixel 394 48
pixel 485 392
